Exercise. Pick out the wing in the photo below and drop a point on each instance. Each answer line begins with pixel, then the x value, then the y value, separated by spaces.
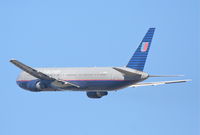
pixel 42 76
pixel 158 83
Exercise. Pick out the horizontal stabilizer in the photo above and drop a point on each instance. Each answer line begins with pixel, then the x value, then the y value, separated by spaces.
pixel 124 72
pixel 166 75
pixel 158 83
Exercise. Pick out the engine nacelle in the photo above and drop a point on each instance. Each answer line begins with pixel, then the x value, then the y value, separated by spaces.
pixel 35 85
pixel 96 94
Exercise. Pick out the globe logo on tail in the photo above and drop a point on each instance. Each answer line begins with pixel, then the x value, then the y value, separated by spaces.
pixel 144 46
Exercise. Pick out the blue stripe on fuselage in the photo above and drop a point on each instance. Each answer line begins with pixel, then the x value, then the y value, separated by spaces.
pixel 101 84
pixel 88 84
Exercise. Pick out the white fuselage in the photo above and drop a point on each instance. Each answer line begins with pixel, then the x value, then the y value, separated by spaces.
pixel 89 79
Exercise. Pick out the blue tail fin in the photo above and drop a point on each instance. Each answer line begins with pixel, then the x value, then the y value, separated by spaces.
pixel 139 58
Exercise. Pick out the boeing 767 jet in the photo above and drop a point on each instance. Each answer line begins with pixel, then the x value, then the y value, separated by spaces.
pixel 95 81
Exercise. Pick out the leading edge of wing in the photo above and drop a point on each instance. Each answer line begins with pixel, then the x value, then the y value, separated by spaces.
pixel 40 75
pixel 31 71
pixel 159 83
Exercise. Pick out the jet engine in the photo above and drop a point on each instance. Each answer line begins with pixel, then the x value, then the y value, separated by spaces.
pixel 96 94
pixel 35 85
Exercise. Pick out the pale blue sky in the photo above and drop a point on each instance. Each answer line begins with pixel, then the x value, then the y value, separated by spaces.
pixel 78 33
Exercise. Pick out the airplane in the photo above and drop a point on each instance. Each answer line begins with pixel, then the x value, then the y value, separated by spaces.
pixel 95 81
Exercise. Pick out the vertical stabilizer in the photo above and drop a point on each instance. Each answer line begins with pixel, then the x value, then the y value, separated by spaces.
pixel 139 57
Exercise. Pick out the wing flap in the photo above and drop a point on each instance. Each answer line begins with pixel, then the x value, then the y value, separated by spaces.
pixel 63 84
pixel 158 83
